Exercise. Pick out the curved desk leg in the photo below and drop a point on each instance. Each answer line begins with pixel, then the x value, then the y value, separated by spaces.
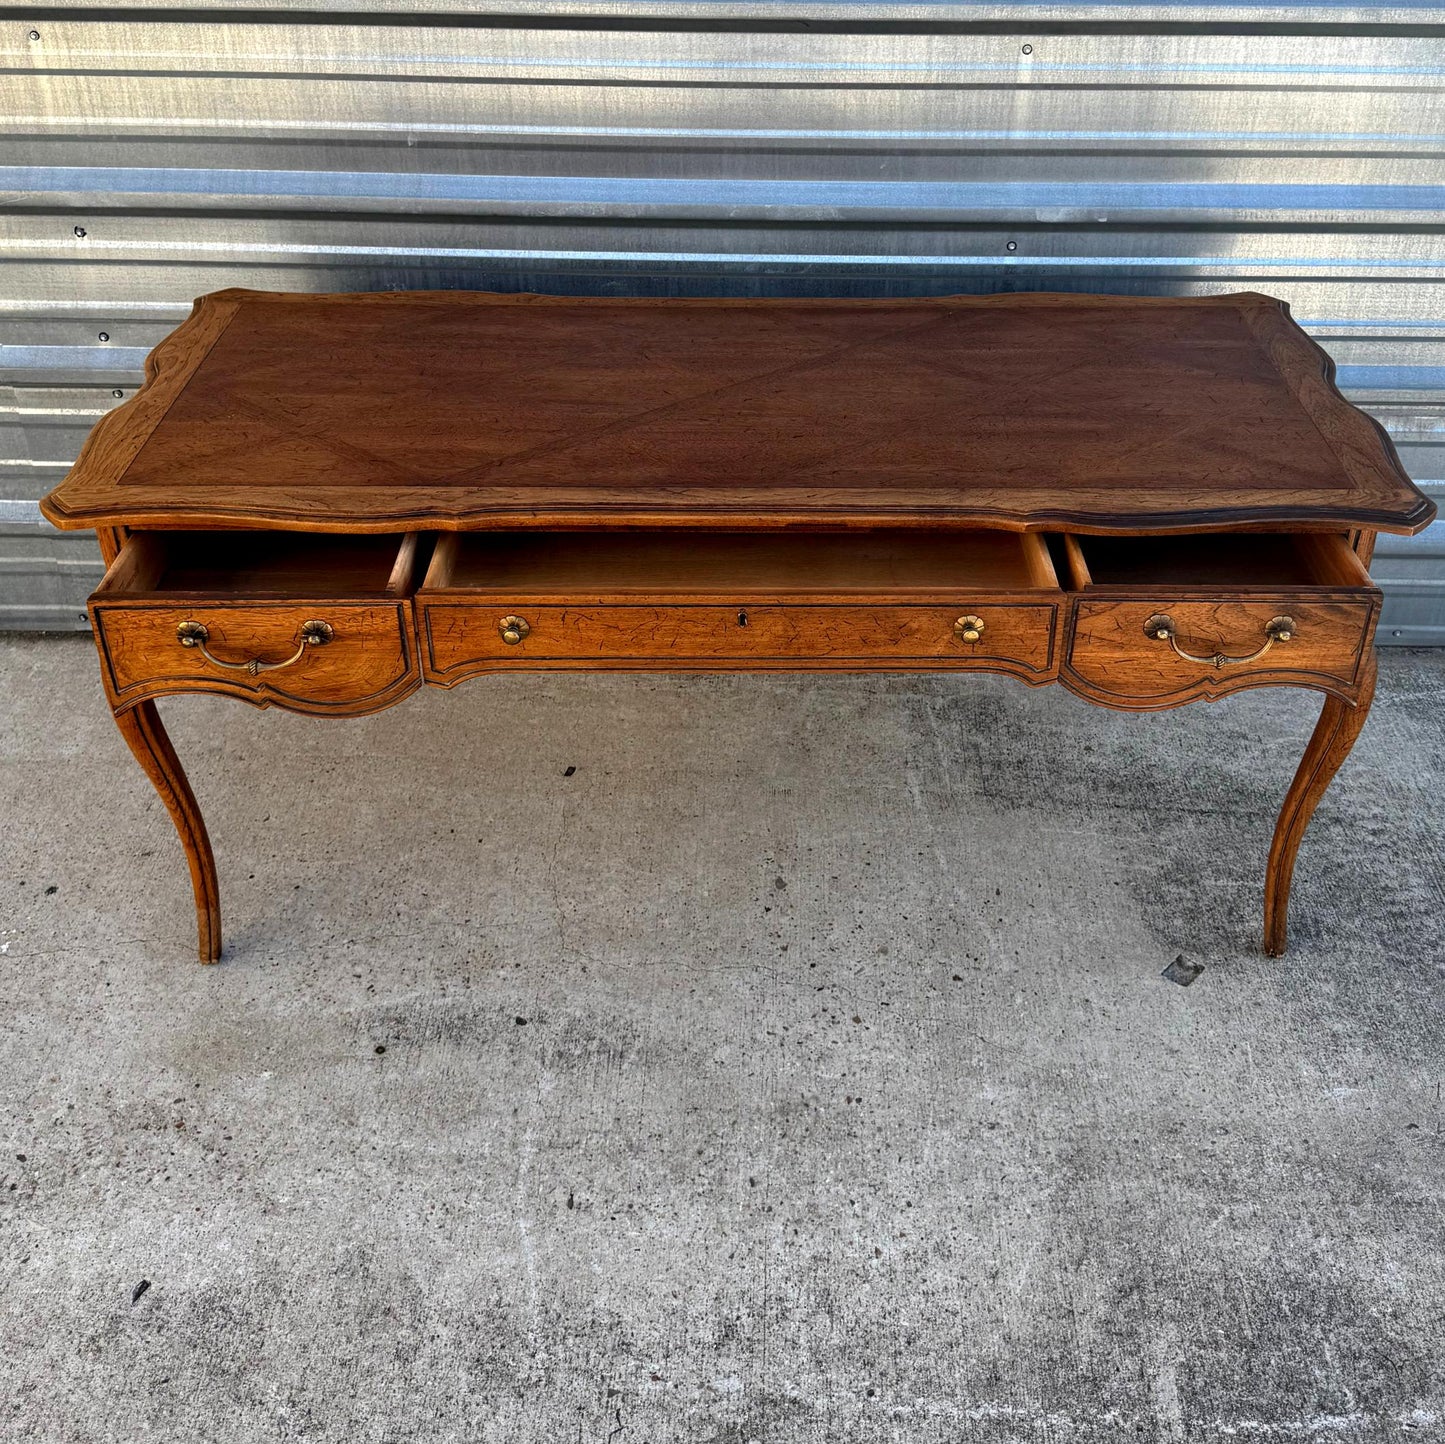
pixel 1333 737
pixel 141 727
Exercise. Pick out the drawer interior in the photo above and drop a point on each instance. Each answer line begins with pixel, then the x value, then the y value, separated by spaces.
pixel 1263 560
pixel 274 564
pixel 674 561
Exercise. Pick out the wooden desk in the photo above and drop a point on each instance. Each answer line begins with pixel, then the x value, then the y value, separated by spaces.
pixel 322 502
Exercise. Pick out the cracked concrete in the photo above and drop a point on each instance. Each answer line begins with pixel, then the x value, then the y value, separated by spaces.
pixel 799 1068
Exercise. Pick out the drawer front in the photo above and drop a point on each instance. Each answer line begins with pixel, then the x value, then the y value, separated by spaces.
pixel 368 661
pixel 1111 657
pixel 464 637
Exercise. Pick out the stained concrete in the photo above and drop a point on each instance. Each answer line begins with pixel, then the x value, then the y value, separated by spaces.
pixel 799 1068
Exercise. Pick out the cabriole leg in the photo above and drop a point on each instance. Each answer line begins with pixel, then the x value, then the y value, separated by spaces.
pixel 1333 737
pixel 141 727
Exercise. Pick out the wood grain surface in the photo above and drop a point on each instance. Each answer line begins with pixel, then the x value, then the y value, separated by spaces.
pixel 727 485
pixel 461 639
pixel 1221 593
pixel 1341 722
pixel 678 563
pixel 147 739
pixel 1110 659
pixel 369 663
pixel 468 410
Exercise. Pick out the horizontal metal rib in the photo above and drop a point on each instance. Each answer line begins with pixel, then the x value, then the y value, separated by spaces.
pixel 157 152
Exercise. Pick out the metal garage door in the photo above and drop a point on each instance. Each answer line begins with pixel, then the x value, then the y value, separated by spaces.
pixel 151 154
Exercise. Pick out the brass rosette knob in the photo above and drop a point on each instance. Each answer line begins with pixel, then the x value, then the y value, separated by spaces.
pixel 513 629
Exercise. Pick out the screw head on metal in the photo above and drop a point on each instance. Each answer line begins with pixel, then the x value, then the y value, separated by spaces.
pixel 1012 246
pixel 80 233
pixel 35 35
pixel 1028 49
pixel 105 335
pixel 117 393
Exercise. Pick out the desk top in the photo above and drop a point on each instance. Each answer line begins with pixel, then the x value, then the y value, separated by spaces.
pixel 458 410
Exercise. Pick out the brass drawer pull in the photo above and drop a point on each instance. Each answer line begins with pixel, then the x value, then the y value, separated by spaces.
pixel 513 629
pixel 968 629
pixel 195 634
pixel 1277 629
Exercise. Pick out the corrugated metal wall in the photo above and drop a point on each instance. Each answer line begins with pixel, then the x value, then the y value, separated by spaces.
pixel 151 154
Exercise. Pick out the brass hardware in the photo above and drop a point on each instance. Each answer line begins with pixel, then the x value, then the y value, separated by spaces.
pixel 1277 629
pixel 968 629
pixel 513 629
pixel 195 634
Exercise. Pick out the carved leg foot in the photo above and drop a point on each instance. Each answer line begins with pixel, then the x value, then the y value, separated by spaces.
pixel 141 728
pixel 1334 736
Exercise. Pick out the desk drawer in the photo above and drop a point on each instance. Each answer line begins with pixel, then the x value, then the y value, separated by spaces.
pixel 1159 620
pixel 312 624
pixel 462 637
pixel 846 601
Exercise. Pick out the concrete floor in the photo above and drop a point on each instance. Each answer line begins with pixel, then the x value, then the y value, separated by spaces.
pixel 798 1069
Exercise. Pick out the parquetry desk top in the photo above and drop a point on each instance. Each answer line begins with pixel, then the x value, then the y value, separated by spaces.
pixel 455 410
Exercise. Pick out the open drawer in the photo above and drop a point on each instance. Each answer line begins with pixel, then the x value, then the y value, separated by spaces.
pixel 315 623
pixel 1157 617
pixel 667 598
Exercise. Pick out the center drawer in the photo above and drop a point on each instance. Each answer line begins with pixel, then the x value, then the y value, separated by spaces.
pixel 862 600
